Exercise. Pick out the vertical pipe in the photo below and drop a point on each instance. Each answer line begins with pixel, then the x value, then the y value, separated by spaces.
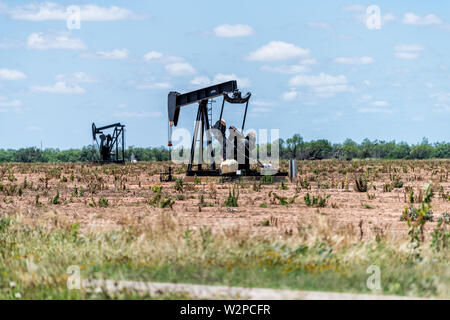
pixel 221 110
pixel 292 170
pixel 194 139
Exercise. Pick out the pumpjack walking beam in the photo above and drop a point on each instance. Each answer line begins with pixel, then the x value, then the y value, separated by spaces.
pixel 202 124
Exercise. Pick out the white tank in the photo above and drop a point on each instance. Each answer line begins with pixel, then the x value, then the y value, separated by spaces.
pixel 229 166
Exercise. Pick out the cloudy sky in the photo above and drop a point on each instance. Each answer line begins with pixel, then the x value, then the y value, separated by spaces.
pixel 318 68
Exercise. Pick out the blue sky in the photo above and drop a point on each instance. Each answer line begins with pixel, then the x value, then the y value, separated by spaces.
pixel 314 68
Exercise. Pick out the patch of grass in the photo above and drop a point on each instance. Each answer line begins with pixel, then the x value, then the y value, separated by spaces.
pixel 34 260
pixel 55 200
pixel 361 184
pixel 316 201
pixel 284 201
pixel 233 195
pixel 103 202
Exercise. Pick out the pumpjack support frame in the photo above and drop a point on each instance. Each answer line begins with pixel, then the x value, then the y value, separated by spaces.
pixel 112 145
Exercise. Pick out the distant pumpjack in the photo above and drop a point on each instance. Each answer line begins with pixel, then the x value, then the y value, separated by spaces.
pixel 112 145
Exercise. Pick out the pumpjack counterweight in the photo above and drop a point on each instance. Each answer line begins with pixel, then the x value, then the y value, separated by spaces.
pixel 112 145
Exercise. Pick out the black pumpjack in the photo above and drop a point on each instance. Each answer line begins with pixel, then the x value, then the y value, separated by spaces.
pixel 112 145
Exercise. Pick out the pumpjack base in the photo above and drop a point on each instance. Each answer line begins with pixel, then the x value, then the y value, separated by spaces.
pixel 203 173
pixel 217 173
pixel 108 162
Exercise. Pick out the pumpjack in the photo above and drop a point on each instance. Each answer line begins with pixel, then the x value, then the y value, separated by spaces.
pixel 112 145
pixel 237 147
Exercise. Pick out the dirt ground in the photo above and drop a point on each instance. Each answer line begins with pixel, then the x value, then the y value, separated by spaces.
pixel 111 196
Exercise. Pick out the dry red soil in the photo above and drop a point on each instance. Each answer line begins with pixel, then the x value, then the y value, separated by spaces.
pixel 131 190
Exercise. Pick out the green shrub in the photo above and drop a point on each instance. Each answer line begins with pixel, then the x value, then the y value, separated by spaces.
pixel 103 202
pixel 55 200
pixel 361 184
pixel 178 185
pixel 316 201
pixel 233 195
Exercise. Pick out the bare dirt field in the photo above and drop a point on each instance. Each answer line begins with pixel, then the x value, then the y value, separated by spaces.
pixel 110 196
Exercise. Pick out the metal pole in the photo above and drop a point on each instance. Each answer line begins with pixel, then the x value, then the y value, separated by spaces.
pixel 245 116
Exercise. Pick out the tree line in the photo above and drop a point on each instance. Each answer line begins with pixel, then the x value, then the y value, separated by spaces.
pixel 296 148
pixel 85 154
pixel 291 148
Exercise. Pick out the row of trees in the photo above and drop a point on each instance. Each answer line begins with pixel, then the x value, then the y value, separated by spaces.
pixel 297 148
pixel 85 154
pixel 294 147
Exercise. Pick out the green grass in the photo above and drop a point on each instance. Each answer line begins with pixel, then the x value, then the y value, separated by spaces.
pixel 35 257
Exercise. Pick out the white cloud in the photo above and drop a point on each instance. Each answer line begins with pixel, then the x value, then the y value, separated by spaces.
pixel 320 80
pixel 9 74
pixel 355 60
pixel 241 82
pixel 376 107
pixel 290 95
pixel 153 55
pixel 387 17
pixel 60 88
pixel 203 81
pixel 413 19
pixel 67 84
pixel 51 11
pixel 180 69
pixel 231 31
pixel 41 41
pixel 76 77
pixel 277 50
pixel 286 69
pixel 322 85
pixel 332 89
pixel 141 114
pixel 407 51
pixel 114 54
